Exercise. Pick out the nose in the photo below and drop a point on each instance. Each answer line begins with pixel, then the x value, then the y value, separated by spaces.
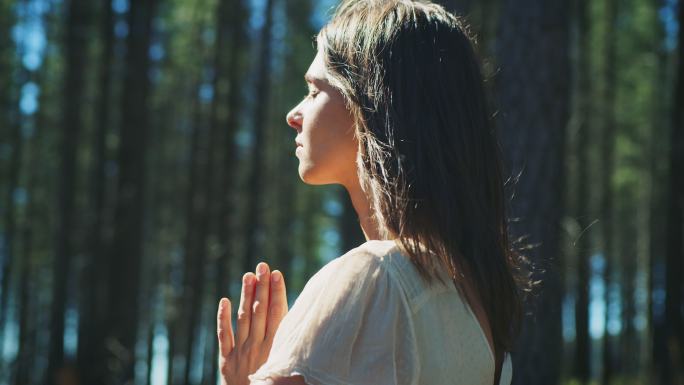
pixel 294 119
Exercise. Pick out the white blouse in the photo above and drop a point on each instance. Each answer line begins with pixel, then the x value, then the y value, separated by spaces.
pixel 368 318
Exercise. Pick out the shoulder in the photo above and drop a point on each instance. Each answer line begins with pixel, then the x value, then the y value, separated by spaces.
pixel 364 265
pixel 355 305
pixel 370 254
pixel 347 278
pixel 350 281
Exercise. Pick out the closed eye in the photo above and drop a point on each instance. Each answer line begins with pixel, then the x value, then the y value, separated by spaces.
pixel 312 94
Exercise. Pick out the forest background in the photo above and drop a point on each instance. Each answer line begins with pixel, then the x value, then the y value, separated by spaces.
pixel 145 165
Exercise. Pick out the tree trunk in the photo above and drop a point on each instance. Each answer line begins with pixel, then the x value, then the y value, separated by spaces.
pixel 310 238
pixel 350 227
pixel 93 307
pixel 9 219
pixel 181 318
pixel 231 18
pixel 254 187
pixel 607 169
pixel 10 132
pixel 460 7
pixel 77 26
pixel 658 210
pixel 675 227
pixel 195 250
pixel 582 369
pixel 9 129
pixel 626 241
pixel 126 250
pixel 534 92
pixel 27 323
pixel 150 354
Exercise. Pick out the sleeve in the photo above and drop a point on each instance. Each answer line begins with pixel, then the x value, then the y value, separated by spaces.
pixel 352 326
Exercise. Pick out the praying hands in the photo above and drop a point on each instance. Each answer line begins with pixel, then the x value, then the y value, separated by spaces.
pixel 263 304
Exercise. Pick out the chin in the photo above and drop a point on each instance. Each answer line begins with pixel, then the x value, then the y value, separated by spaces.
pixel 311 176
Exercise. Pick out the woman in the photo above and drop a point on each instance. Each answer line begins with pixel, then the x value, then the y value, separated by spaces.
pixel 397 114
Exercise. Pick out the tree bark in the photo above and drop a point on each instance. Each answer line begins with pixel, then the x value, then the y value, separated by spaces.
pixel 232 30
pixel 675 227
pixel 582 370
pixel 27 323
pixel 254 185
pixel 181 319
pixel 607 170
pixel 126 249
pixel 659 206
pixel 231 18
pixel 194 250
pixel 9 219
pixel 460 7
pixel 77 30
pixel 534 92
pixel 92 311
pixel 350 227
pixel 11 134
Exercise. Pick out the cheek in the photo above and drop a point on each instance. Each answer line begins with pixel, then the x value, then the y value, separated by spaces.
pixel 332 134
pixel 331 152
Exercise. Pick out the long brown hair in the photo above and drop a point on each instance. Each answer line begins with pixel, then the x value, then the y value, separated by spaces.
pixel 429 156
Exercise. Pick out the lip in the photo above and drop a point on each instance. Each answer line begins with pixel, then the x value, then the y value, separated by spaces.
pixel 298 144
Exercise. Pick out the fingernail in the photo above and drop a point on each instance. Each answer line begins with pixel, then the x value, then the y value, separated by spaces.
pixel 247 279
pixel 276 276
pixel 261 268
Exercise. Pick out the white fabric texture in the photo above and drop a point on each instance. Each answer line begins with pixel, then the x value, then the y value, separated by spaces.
pixel 367 318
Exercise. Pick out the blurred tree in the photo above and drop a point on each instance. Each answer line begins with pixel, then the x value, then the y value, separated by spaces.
pixel 261 112
pixel 461 7
pixel 607 166
pixel 193 266
pixel 658 202
pixel 190 58
pixel 26 323
pixel 350 228
pixel 311 203
pixel 533 49
pixel 92 310
pixel 674 303
pixel 228 64
pixel 660 170
pixel 126 249
pixel 10 137
pixel 78 20
pixel 582 198
pixel 481 16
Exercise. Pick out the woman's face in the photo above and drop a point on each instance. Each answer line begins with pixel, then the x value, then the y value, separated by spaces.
pixel 326 144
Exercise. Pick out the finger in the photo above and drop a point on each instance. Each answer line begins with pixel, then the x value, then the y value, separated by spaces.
pixel 257 328
pixel 244 314
pixel 224 326
pixel 277 307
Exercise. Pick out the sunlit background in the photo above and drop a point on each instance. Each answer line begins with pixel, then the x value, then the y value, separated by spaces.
pixel 145 165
